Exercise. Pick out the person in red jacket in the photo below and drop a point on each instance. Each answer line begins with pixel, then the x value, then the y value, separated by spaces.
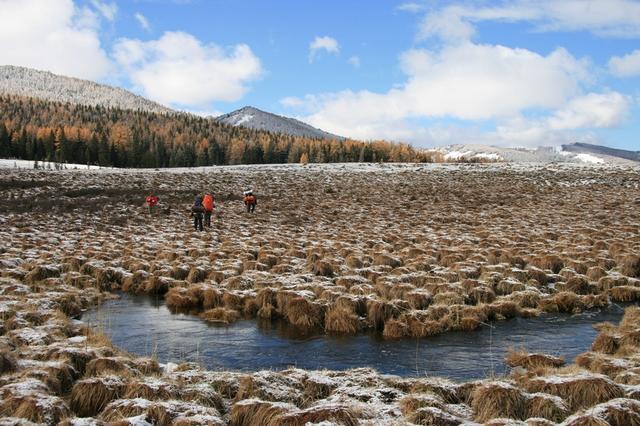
pixel 152 202
pixel 208 202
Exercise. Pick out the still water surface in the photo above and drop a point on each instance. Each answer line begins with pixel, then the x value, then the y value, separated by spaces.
pixel 144 326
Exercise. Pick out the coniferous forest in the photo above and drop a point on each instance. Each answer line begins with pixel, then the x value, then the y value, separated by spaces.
pixel 34 129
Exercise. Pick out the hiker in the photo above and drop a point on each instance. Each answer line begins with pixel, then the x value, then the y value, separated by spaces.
pixel 250 200
pixel 152 202
pixel 208 202
pixel 197 211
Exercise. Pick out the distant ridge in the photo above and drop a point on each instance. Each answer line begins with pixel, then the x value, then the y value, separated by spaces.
pixel 32 83
pixel 587 148
pixel 254 118
pixel 575 152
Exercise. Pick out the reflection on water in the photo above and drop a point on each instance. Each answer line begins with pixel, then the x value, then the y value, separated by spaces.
pixel 145 326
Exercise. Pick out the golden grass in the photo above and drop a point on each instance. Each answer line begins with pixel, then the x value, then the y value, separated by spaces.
pixel 532 360
pixel 379 312
pixel 497 399
pixel 630 266
pixel 341 320
pixel 395 329
pixel 546 406
pixel 579 391
pixel 220 315
pixel 330 413
pixel 254 412
pixel 304 313
pixel 90 396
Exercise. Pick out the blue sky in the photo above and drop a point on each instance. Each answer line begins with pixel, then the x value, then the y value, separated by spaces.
pixel 516 73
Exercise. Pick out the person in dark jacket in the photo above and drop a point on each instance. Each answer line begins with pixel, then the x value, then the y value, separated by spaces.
pixel 250 201
pixel 197 212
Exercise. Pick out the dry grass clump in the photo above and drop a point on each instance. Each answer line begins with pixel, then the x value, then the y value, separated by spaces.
pixel 395 329
pixel 117 411
pixel 40 273
pixel 329 413
pixel 630 266
pixel 7 362
pixel 323 268
pixel 579 285
pixel 342 320
pixel 255 412
pixel 220 315
pixel 568 302
pixel 578 390
pixel 150 389
pixel 158 285
pixel 90 396
pixel 625 293
pixel 482 294
pixel 532 360
pixel 197 275
pixel 41 409
pixel 546 406
pixel 619 412
pixel 379 312
pixel 304 313
pixel 178 412
pixel 181 298
pixel 106 365
pixel 385 259
pixel 497 399
pixel 433 416
pixel 606 342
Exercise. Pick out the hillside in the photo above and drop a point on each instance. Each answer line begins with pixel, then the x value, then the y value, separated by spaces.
pixel 28 82
pixel 254 118
pixel 33 129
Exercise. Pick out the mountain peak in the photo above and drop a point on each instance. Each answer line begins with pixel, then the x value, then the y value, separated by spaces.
pixel 254 118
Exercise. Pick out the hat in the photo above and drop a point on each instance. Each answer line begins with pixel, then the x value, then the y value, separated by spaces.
pixel 248 191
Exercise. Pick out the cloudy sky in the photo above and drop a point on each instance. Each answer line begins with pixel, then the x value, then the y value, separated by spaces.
pixel 511 73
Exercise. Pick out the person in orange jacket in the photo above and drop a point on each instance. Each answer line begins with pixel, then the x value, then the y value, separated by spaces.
pixel 152 202
pixel 250 201
pixel 208 202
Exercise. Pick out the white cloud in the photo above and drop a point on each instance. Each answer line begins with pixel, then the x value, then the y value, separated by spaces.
pixel 52 35
pixel 411 7
pixel 326 43
pixel 354 61
pixel 143 21
pixel 611 18
pixel 594 110
pixel 108 10
pixel 482 86
pixel 179 69
pixel 627 65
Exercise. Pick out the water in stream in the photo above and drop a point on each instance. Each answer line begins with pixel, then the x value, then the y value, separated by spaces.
pixel 144 326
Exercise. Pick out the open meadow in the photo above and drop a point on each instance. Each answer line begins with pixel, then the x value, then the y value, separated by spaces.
pixel 408 251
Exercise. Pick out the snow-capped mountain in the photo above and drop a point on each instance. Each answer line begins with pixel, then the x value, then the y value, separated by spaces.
pixel 254 118
pixel 575 152
pixel 45 85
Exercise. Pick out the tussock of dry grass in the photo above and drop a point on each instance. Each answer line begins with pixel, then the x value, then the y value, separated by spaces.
pixel 220 315
pixel 532 360
pixel 579 391
pixel 498 399
pixel 90 396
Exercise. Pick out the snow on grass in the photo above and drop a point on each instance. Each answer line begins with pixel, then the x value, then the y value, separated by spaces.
pixel 589 158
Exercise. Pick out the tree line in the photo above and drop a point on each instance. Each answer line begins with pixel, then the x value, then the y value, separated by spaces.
pixel 34 129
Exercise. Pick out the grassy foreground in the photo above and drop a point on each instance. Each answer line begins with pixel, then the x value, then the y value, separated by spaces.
pixel 410 251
